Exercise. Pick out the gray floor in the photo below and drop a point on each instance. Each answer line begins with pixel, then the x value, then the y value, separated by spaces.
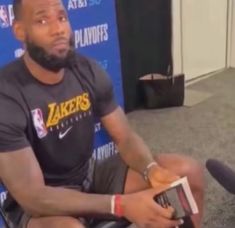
pixel 203 131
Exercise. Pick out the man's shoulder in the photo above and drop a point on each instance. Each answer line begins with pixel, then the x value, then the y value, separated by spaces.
pixel 88 66
pixel 84 61
pixel 85 68
pixel 10 71
pixel 10 78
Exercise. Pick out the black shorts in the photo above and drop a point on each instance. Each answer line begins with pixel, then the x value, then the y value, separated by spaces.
pixel 106 176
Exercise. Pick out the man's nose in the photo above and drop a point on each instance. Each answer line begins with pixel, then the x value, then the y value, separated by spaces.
pixel 57 28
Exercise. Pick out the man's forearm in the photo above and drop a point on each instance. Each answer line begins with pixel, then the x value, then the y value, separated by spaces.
pixel 55 201
pixel 135 152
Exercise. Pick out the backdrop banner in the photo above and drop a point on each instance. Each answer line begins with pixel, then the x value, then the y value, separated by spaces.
pixel 95 32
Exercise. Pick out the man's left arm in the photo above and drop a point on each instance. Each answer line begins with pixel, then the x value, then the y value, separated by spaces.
pixel 131 147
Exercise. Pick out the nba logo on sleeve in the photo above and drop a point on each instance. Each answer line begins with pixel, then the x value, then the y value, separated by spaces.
pixel 38 122
pixel 4 20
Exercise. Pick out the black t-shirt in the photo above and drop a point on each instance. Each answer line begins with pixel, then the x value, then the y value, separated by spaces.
pixel 57 121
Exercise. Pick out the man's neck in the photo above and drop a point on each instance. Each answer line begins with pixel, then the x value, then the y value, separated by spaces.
pixel 42 74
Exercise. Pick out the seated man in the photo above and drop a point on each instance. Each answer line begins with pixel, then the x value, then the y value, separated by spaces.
pixel 49 99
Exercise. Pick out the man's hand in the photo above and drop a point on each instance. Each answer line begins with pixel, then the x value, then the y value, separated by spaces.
pixel 159 176
pixel 141 209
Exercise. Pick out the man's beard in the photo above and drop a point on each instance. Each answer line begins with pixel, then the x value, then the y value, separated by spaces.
pixel 48 61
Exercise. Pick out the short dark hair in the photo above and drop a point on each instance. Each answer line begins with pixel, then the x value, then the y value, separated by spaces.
pixel 17 5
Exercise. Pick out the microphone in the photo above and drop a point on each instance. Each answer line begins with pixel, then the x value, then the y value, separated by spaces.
pixel 222 173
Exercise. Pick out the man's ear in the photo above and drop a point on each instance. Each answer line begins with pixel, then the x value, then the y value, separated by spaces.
pixel 19 31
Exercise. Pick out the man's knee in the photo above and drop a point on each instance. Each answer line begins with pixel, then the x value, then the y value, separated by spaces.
pixel 55 222
pixel 195 173
pixel 183 166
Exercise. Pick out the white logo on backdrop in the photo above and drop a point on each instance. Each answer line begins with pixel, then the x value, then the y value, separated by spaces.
pixel 6 16
pixel 19 52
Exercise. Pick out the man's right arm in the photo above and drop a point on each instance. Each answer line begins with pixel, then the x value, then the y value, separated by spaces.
pixel 21 174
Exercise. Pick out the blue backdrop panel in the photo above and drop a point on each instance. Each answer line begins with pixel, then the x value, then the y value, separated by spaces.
pixel 95 32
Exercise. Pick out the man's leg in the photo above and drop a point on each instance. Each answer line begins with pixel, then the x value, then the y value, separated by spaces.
pixel 180 165
pixel 54 222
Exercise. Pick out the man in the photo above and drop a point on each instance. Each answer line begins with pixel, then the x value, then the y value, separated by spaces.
pixel 49 99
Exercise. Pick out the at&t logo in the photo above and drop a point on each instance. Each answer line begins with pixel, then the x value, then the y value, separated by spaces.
pixel 78 4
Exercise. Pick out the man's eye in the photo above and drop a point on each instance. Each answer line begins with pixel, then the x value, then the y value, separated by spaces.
pixel 63 18
pixel 42 21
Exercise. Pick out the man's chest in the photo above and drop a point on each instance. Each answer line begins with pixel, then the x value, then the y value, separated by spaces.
pixel 56 111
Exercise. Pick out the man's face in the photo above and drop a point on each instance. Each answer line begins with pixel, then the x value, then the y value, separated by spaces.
pixel 47 32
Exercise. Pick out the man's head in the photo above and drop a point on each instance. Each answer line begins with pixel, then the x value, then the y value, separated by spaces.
pixel 43 26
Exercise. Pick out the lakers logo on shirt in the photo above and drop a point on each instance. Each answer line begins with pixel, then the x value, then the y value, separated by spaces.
pixel 58 112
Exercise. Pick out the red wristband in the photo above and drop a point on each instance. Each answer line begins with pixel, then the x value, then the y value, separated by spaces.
pixel 118 210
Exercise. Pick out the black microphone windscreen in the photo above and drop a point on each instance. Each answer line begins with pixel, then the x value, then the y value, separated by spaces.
pixel 222 173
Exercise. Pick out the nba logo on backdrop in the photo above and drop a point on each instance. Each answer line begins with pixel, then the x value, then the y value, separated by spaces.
pixel 6 16
pixel 4 19
pixel 39 123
